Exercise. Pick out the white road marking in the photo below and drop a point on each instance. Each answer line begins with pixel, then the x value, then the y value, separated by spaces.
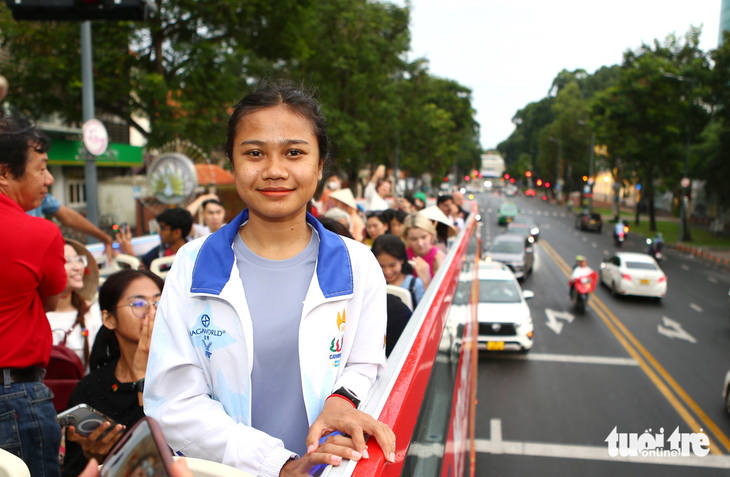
pixel 489 211
pixel 585 239
pixel 576 233
pixel 555 214
pixel 563 214
pixel 712 279
pixel 696 307
pixel 553 317
pixel 594 245
pixel 424 451
pixel 495 445
pixel 672 329
pixel 605 252
pixel 537 212
pixel 569 358
pixel 685 267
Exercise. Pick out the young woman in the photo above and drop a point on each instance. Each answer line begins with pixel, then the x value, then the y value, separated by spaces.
pixel 128 302
pixel 272 330
pixel 419 235
pixel 376 225
pixel 395 219
pixel 391 254
pixel 76 320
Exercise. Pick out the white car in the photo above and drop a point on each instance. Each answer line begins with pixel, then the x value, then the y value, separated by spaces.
pixel 633 274
pixel 504 318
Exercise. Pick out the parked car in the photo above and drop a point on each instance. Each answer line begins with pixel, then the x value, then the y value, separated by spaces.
pixel 589 221
pixel 514 251
pixel 507 212
pixel 633 274
pixel 504 318
pixel 526 219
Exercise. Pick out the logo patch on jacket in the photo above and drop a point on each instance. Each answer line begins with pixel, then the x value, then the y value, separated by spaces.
pixel 206 335
pixel 337 340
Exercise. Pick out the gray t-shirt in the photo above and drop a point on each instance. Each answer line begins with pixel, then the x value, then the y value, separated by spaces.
pixel 275 292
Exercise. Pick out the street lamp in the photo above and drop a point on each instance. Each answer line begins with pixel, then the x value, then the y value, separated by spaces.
pixel 684 232
pixel 557 169
pixel 590 162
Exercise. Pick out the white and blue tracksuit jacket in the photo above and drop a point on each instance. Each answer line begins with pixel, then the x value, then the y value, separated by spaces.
pixel 198 381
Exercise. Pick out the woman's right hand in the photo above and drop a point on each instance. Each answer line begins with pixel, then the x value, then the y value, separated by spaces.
pixel 124 237
pixel 331 452
pixel 423 270
pixel 93 447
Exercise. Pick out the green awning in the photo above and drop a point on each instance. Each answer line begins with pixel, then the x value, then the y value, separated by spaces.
pixel 73 153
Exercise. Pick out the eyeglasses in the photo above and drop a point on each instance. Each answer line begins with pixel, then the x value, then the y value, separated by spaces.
pixel 140 307
pixel 71 261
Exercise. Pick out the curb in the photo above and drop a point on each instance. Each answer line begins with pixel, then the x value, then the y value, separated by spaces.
pixel 703 254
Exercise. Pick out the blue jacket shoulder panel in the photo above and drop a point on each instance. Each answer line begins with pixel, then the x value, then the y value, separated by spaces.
pixel 214 262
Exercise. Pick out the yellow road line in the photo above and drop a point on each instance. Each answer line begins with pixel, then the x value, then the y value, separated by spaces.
pixel 644 358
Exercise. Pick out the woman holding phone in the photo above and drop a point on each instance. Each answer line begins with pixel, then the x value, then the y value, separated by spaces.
pixel 118 360
pixel 271 330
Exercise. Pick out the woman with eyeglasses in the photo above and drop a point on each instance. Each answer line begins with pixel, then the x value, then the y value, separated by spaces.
pixel 76 319
pixel 118 361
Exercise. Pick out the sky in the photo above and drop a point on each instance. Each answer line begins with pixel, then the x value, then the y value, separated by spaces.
pixel 509 51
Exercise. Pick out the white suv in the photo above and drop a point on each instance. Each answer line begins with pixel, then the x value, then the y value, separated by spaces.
pixel 504 317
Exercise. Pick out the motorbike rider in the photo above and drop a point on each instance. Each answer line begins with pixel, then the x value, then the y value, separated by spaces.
pixel 618 229
pixel 580 269
pixel 657 244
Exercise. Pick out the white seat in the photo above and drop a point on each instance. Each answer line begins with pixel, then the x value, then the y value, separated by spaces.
pixel 158 263
pixel 12 465
pixel 207 468
pixel 403 294
pixel 132 262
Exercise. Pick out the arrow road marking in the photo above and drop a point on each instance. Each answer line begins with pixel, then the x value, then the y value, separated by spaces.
pixel 696 307
pixel 676 330
pixel 553 322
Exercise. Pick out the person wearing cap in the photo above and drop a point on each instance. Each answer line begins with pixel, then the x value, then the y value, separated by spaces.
pixel 33 275
pixel 580 269
pixel 344 200
pixel 419 201
pixel 77 318
pixel 444 227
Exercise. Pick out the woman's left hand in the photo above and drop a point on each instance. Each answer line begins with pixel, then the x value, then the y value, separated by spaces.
pixel 339 415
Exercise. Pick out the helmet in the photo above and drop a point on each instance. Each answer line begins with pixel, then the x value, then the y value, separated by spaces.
pixel 579 258
pixel 659 234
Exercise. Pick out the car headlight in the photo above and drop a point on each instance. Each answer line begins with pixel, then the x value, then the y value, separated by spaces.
pixel 535 231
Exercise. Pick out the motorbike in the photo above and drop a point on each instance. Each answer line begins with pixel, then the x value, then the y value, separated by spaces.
pixel 581 289
pixel 618 239
pixel 655 249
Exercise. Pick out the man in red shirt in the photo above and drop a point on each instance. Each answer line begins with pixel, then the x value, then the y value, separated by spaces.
pixel 33 275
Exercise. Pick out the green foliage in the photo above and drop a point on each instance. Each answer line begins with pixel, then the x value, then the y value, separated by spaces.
pixel 188 65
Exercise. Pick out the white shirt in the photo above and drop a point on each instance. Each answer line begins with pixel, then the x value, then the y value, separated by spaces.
pixel 200 230
pixel 373 201
pixel 581 272
pixel 62 321
pixel 618 228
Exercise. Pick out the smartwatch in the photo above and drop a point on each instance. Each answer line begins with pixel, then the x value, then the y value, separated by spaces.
pixel 344 392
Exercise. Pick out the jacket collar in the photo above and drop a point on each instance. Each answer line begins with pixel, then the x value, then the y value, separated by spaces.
pixel 214 263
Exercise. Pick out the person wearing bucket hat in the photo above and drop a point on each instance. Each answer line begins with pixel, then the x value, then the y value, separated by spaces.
pixel 420 200
pixel 77 318
pixel 346 201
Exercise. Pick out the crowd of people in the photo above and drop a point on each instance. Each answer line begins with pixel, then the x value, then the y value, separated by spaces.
pixel 235 371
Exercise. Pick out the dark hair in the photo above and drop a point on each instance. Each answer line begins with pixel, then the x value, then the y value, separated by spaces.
pixel 177 218
pixel 295 97
pixel 335 226
pixel 82 308
pixel 443 198
pixel 380 215
pixel 394 246
pixel 106 345
pixel 398 215
pixel 17 135
pixel 210 201
pixel 410 199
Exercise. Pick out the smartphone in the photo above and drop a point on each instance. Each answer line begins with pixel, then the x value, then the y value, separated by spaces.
pixel 142 452
pixel 84 418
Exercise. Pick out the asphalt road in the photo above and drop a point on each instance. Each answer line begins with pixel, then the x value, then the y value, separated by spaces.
pixel 548 412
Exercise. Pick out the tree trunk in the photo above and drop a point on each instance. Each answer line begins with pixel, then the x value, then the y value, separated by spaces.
pixel 650 191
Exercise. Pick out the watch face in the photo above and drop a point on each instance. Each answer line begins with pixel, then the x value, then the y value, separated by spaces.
pixel 172 178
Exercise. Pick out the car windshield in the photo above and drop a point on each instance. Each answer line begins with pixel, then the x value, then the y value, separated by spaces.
pixel 518 231
pixel 506 247
pixel 498 291
pixel 523 220
pixel 640 266
pixel 596 216
pixel 508 209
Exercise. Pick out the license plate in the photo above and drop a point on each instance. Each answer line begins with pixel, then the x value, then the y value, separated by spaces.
pixel 593 222
pixel 495 345
pixel 509 220
pixel 644 282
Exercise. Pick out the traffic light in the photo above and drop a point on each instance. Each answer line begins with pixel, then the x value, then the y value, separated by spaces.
pixel 547 184
pixel 446 178
pixel 81 10
pixel 539 182
pixel 467 178
pixel 506 176
pixel 528 174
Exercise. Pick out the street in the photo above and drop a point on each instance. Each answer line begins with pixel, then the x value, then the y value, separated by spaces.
pixel 635 364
